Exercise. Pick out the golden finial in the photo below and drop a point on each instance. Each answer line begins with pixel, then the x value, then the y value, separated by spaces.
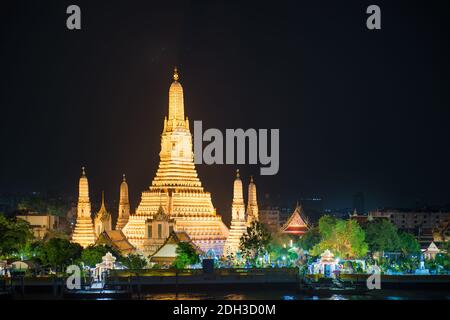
pixel 103 198
pixel 124 179
pixel 175 74
pixel 237 173
pixel 82 171
pixel 251 179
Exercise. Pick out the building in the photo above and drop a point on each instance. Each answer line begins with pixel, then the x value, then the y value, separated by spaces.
pixel 412 220
pixel 297 224
pixel 103 219
pixel 423 224
pixel 124 205
pixel 252 206
pixel 270 217
pixel 83 233
pixel 442 232
pixel 167 252
pixel 157 230
pixel 117 240
pixel 41 224
pixel 238 222
pixel 176 187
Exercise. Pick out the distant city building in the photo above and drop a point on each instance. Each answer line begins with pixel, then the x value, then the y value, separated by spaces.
pixel 41 224
pixel 342 213
pixel 423 224
pixel 270 217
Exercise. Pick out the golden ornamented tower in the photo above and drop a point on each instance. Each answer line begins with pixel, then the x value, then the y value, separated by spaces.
pixel 102 221
pixel 84 230
pixel 124 206
pixel 176 186
pixel 238 224
pixel 252 206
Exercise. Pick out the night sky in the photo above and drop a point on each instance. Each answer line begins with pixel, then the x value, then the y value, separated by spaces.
pixel 357 110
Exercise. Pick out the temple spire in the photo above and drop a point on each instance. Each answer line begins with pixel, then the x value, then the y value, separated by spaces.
pixel 176 101
pixel 238 224
pixel 83 233
pixel 175 74
pixel 124 205
pixel 103 200
pixel 252 205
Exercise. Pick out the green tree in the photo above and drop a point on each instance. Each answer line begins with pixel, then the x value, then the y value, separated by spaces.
pixel 408 244
pixel 93 254
pixel 346 239
pixel 134 261
pixel 58 253
pixel 310 239
pixel 382 235
pixel 446 247
pixel 14 235
pixel 255 242
pixel 186 255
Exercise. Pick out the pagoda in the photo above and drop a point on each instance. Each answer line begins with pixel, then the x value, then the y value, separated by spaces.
pixel 238 223
pixel 252 206
pixel 296 224
pixel 176 186
pixel 83 233
pixel 124 206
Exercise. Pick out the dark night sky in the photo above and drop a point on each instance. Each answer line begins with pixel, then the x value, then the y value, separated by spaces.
pixel 357 110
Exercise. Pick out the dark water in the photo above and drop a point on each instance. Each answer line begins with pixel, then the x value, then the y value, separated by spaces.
pixel 286 295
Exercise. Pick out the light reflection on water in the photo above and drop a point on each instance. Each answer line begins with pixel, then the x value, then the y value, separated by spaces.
pixel 283 295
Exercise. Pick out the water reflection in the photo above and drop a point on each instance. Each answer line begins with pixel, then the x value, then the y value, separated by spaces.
pixel 287 295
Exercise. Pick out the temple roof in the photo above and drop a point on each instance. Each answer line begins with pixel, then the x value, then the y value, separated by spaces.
pixel 116 239
pixel 168 248
pixel 296 224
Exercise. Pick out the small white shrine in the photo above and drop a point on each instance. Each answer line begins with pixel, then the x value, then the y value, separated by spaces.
pixel 108 263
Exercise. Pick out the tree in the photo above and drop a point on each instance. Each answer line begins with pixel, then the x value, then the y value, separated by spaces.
pixel 346 239
pixel 381 235
pixel 134 261
pixel 310 239
pixel 93 254
pixel 408 244
pixel 255 242
pixel 186 255
pixel 14 235
pixel 446 247
pixel 58 253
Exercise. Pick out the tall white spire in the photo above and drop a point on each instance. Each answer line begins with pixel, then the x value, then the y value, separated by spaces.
pixel 252 205
pixel 84 229
pixel 124 205
pixel 238 224
pixel 238 205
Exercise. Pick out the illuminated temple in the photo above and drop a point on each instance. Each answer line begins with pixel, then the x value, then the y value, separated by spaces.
pixel 84 228
pixel 238 222
pixel 176 188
